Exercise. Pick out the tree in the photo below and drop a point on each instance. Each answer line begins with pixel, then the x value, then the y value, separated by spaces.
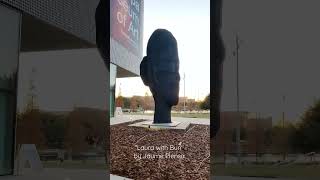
pixel 148 103
pixel 86 129
pixel 279 138
pixel 133 103
pixel 30 129
pixel 306 138
pixel 126 102
pixel 54 129
pixel 205 104
pixel 119 101
pixel 136 102
pixel 267 137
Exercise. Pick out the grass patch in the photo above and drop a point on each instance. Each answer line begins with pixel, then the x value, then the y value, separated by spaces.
pixel 192 115
pixel 284 171
pixel 185 115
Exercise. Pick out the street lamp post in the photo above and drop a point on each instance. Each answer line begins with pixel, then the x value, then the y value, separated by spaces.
pixel 283 113
pixel 184 92
pixel 238 101
pixel 283 127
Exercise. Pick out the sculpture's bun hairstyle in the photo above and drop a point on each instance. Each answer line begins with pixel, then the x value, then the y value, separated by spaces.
pixel 162 41
pixel 144 71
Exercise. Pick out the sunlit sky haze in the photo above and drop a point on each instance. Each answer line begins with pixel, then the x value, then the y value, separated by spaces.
pixel 189 22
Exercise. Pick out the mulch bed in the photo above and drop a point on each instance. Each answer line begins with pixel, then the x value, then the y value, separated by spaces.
pixel 184 154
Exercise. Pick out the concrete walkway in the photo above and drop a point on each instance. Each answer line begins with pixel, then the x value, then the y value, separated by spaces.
pixel 76 174
pixel 84 174
pixel 64 174
pixel 128 118
pixel 59 174
pixel 246 178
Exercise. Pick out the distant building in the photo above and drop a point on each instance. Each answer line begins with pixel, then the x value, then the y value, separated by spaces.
pixel 147 103
pixel 254 136
pixel 190 104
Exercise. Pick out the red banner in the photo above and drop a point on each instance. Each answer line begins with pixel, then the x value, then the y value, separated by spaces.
pixel 126 23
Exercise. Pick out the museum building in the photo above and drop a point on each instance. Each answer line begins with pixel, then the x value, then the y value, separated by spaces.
pixel 46 25
pixel 126 30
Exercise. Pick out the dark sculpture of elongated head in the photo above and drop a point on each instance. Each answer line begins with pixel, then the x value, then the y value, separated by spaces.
pixel 160 71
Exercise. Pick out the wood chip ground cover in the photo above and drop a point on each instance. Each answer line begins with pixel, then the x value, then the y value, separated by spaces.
pixel 142 153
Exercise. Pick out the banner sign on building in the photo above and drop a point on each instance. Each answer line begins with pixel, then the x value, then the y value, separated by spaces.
pixel 126 24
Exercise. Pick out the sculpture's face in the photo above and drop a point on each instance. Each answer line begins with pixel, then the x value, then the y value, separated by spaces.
pixel 166 80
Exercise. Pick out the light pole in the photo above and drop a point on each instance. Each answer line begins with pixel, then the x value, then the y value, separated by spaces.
pixel 238 100
pixel 184 92
pixel 283 113
pixel 283 129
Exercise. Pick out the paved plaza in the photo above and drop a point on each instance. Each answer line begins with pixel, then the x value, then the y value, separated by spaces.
pixel 59 174
pixel 64 174
pixel 77 174
pixel 129 118
pixel 245 178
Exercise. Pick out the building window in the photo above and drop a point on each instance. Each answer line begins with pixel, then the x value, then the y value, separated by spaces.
pixel 9 55
pixel 113 75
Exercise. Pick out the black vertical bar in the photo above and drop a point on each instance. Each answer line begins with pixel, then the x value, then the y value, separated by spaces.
pixel 102 19
pixel 218 56
pixel 218 53
pixel 14 113
pixel 238 102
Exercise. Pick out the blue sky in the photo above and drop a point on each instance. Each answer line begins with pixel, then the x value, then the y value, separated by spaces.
pixel 189 22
